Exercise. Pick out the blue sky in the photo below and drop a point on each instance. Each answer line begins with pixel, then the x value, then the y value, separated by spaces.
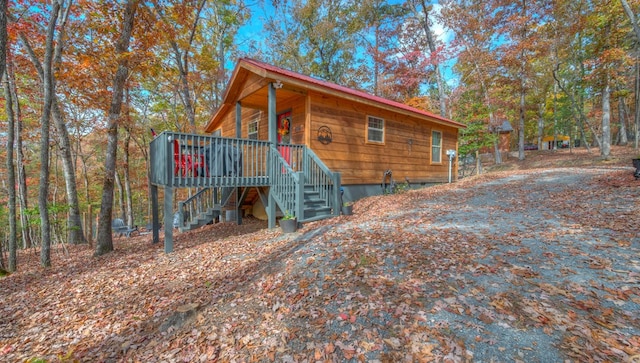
pixel 261 10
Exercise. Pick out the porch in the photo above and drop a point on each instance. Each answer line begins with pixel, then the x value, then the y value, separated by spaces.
pixel 223 171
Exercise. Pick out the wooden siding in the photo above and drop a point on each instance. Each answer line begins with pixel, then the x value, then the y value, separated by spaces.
pixel 406 150
pixel 297 107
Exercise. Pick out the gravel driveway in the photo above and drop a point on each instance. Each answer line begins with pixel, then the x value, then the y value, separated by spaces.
pixel 564 280
pixel 535 267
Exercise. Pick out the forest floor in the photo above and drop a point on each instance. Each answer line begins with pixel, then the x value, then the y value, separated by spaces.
pixel 534 261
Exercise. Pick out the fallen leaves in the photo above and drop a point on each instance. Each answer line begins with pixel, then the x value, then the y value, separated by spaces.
pixel 438 274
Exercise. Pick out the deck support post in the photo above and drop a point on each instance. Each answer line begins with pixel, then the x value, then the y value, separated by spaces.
pixel 155 218
pixel 337 197
pixel 238 135
pixel 300 196
pixel 168 219
pixel 273 139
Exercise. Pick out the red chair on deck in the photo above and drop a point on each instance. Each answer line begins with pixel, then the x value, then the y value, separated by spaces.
pixel 187 163
pixel 180 160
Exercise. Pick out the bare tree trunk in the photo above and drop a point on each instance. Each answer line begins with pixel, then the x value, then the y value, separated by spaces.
pixel 540 124
pixel 521 123
pixel 43 190
pixel 125 168
pixel 11 177
pixel 123 213
pixel 85 174
pixel 636 139
pixel 127 182
pixel 605 149
pixel 622 116
pixel 496 149
pixel 523 79
pixel 105 241
pixel 23 197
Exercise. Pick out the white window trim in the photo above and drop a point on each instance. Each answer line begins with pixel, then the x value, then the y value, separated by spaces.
pixel 253 122
pixel 369 141
pixel 439 147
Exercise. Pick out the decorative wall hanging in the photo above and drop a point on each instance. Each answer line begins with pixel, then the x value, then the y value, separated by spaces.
pixel 284 128
pixel 324 135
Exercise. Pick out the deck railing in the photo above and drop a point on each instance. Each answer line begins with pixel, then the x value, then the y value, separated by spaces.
pixel 189 160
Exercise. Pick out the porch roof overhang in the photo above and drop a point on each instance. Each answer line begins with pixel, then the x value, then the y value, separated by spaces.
pixel 255 95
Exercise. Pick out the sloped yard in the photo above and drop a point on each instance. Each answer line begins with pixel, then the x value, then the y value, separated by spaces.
pixel 531 266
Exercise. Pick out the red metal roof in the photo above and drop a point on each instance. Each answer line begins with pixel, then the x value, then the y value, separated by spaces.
pixel 347 90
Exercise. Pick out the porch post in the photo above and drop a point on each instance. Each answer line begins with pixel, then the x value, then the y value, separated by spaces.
pixel 238 135
pixel 155 219
pixel 238 120
pixel 273 139
pixel 168 219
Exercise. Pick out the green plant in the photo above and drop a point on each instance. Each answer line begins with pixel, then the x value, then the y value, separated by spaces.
pixel 401 188
pixel 288 216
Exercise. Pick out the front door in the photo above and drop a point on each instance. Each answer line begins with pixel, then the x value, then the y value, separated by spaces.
pixel 284 135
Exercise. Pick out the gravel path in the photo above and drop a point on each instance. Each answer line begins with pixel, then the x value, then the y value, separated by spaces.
pixel 533 267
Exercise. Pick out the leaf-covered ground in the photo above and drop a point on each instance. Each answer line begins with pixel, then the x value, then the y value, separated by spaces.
pixel 530 266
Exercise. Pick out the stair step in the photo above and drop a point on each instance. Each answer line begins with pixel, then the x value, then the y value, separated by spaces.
pixel 317 212
pixel 316 218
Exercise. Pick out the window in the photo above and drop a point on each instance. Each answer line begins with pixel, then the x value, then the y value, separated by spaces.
pixel 436 146
pixel 375 130
pixel 253 129
pixel 217 133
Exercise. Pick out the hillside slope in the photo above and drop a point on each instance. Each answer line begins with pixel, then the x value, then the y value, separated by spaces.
pixel 536 265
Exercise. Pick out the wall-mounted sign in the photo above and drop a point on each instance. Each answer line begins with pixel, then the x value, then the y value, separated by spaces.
pixel 324 135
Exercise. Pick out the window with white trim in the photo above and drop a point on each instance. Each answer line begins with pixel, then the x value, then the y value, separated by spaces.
pixel 436 146
pixel 375 130
pixel 217 133
pixel 253 129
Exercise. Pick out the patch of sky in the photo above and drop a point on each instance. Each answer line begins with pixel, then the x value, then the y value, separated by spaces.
pixel 252 34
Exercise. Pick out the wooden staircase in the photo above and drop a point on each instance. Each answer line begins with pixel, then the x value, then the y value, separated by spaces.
pixel 315 208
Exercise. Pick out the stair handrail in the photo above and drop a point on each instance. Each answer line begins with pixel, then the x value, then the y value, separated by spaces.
pixel 323 181
pixel 199 203
pixel 286 185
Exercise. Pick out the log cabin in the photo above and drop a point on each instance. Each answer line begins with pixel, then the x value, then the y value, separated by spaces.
pixel 293 144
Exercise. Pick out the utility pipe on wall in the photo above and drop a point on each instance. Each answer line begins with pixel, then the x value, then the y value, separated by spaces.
pixel 451 154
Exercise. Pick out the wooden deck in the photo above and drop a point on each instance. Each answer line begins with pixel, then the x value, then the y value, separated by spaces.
pixel 296 180
pixel 185 160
